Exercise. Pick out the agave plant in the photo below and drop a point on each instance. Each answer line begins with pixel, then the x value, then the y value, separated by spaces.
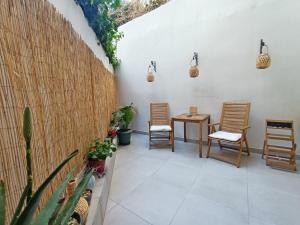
pixel 24 213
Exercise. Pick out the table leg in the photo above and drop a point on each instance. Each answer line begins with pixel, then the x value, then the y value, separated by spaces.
pixel 173 132
pixel 184 125
pixel 208 122
pixel 200 140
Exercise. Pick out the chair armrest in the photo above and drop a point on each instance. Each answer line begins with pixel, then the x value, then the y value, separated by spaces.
pixel 245 128
pixel 212 127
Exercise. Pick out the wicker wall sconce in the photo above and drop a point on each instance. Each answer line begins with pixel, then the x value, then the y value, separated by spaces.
pixel 151 70
pixel 263 60
pixel 194 71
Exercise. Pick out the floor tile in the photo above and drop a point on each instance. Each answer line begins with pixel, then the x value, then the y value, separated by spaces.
pixel 197 210
pixel 272 206
pixel 123 183
pixel 155 201
pixel 176 175
pixel 231 192
pixel 254 221
pixel 144 165
pixel 121 216
pixel 160 187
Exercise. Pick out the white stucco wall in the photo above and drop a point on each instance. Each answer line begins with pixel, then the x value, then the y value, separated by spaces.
pixel 74 14
pixel 226 34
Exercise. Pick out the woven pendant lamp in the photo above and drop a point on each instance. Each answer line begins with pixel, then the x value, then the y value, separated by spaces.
pixel 151 69
pixel 263 60
pixel 150 76
pixel 194 71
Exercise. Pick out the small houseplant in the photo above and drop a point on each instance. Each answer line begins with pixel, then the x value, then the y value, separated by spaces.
pixel 99 151
pixel 122 118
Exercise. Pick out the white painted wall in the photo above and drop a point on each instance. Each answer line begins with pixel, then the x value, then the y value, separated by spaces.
pixel 226 33
pixel 74 14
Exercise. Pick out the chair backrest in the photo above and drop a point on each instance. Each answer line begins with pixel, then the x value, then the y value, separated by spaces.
pixel 159 114
pixel 235 116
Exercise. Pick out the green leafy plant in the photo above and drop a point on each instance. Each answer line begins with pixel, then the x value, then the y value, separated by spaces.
pixel 98 15
pixel 123 117
pixel 24 213
pixel 101 150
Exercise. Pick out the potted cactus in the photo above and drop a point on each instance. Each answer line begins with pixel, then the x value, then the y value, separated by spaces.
pixel 122 119
pixel 53 212
pixel 99 151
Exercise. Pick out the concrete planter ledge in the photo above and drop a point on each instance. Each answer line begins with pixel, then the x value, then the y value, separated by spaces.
pixel 100 194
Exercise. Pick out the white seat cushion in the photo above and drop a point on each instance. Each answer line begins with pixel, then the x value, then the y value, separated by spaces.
pixel 226 136
pixel 160 128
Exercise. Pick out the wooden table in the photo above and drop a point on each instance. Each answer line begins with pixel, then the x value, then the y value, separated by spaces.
pixel 185 118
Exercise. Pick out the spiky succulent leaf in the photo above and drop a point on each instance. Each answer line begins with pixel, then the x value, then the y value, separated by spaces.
pixel 49 208
pixel 20 204
pixel 2 203
pixel 27 125
pixel 68 209
pixel 27 214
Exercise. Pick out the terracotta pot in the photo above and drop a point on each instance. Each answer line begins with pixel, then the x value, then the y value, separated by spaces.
pixel 98 165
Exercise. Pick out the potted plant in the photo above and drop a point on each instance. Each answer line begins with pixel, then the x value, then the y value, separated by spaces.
pixel 99 151
pixel 112 135
pixel 122 118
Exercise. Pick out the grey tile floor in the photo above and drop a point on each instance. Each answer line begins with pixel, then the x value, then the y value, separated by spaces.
pixel 161 187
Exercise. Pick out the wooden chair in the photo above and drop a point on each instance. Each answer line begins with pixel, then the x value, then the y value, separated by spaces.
pixel 160 131
pixel 279 145
pixel 232 130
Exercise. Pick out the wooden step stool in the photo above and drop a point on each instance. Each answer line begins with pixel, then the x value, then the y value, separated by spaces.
pixel 283 153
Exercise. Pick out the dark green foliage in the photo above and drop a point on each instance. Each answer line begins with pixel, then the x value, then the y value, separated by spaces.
pixel 2 203
pixel 123 117
pixel 67 212
pixel 46 213
pixel 24 213
pixel 97 13
pixel 27 125
pixel 101 150
pixel 28 212
pixel 27 132
pixel 20 204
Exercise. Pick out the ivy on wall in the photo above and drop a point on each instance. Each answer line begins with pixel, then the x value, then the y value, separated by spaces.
pixel 98 14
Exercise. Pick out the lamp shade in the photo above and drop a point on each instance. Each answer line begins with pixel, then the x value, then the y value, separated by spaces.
pixel 194 71
pixel 150 76
pixel 263 61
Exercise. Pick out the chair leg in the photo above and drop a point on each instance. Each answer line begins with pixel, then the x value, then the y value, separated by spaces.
pixel 238 162
pixel 208 150
pixel 220 145
pixel 264 149
pixel 247 146
pixel 149 139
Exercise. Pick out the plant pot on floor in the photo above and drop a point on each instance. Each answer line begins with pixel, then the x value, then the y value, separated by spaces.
pixel 98 165
pixel 124 136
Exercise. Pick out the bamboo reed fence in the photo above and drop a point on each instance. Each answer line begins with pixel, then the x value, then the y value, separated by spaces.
pixel 45 64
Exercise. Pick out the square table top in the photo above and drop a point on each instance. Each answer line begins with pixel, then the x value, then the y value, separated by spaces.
pixel 186 118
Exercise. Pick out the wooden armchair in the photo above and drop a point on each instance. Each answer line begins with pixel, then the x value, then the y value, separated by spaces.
pixel 232 130
pixel 160 131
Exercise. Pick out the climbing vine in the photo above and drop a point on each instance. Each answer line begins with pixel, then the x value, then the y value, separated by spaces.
pixel 98 14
